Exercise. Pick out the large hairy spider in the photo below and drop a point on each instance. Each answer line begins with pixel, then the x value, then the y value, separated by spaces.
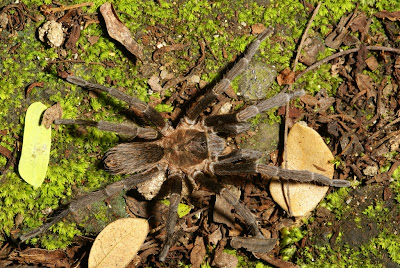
pixel 192 151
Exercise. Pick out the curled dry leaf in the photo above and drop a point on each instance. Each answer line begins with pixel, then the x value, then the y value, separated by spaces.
pixel 51 114
pixel 118 31
pixel 384 14
pixel 306 150
pixel 118 243
pixel 286 77
pixel 198 252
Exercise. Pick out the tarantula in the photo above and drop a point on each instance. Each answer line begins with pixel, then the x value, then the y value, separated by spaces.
pixel 191 151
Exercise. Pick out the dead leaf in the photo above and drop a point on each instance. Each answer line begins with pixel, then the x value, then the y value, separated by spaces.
pixel 37 256
pixel 393 16
pixel 254 244
pixel 359 23
pixel 51 114
pixel 341 33
pixel 257 28
pixel 224 260
pixel 372 63
pixel 365 84
pixel 31 86
pixel 309 100
pixel 335 38
pixel 118 243
pixel 198 252
pixel 215 237
pixel 306 150
pixel 154 83
pixel 286 77
pixel 93 39
pixel 118 31
pixel 311 49
pixel 5 152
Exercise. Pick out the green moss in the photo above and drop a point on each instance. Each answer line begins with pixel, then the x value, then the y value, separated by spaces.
pixel 244 261
pixel 288 238
pixel 183 209
pixel 376 211
pixel 335 202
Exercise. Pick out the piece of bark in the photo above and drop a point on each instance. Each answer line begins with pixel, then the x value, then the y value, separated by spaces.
pixel 118 31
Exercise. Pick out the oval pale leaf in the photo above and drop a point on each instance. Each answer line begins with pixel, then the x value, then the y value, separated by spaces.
pixel 36 147
pixel 306 150
pixel 118 243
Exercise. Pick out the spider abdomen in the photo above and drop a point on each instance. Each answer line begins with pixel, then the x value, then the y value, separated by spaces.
pixel 185 148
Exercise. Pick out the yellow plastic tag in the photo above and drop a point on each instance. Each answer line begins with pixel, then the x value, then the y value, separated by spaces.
pixel 36 147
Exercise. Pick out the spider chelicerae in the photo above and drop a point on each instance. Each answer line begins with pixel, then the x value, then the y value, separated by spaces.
pixel 192 152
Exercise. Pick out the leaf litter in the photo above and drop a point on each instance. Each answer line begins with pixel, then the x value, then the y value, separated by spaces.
pixel 362 127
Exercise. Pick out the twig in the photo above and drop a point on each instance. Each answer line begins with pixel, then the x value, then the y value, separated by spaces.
pixel 342 53
pixel 75 61
pixel 62 8
pixel 209 48
pixel 305 35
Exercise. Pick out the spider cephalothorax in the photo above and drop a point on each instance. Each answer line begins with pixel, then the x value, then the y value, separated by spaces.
pixel 192 151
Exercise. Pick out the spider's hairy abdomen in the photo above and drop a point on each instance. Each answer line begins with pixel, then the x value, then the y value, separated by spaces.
pixel 128 158
pixel 185 148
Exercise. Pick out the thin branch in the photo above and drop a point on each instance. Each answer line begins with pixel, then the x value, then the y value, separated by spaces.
pixel 305 35
pixel 342 53
pixel 63 8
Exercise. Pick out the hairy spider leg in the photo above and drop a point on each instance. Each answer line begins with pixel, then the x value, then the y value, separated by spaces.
pixel 225 82
pixel 175 197
pixel 141 106
pixel 108 191
pixel 131 129
pixel 243 162
pixel 236 121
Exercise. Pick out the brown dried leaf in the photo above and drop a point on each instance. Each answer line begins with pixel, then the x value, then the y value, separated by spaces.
pixel 118 243
pixel 306 150
pixel 365 83
pixel 37 256
pixel 372 63
pixel 198 252
pixel 51 114
pixel 309 100
pixel 254 244
pixel 257 28
pixel 31 86
pixel 312 48
pixel 359 23
pixel 224 260
pixel 5 152
pixel 154 83
pixel 336 37
pixel 362 55
pixel 215 237
pixel 286 77
pixel 118 31
pixel 93 39
pixel 393 16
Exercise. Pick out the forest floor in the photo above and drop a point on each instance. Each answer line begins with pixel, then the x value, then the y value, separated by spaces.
pixel 349 67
